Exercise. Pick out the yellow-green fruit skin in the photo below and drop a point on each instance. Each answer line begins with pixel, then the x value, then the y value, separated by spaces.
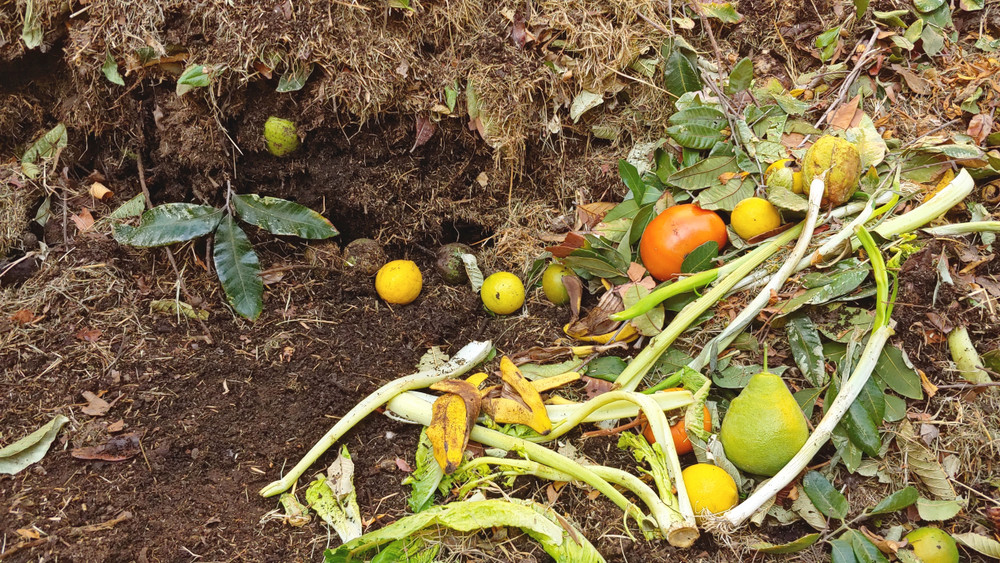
pixel 552 284
pixel 764 426
pixel 933 545
pixel 280 136
pixel 783 177
pixel 842 159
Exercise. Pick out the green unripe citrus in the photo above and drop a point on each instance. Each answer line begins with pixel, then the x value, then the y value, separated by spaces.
pixel 933 545
pixel 280 136
pixel 552 284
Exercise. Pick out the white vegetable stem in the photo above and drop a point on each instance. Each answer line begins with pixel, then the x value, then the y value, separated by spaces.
pixel 777 280
pixel 970 365
pixel 466 358
pixel 820 435
pixel 964 228
pixel 948 197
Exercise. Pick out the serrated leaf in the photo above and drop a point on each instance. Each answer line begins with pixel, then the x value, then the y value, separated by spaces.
pixel 702 115
pixel 282 217
pixel 650 323
pixel 862 431
pixel 296 77
pixel 924 464
pixel 828 500
pixel 131 208
pixel 238 269
pixel 896 501
pixel 982 544
pixel 741 76
pixel 584 102
pixel 727 195
pixel 701 258
pixel 110 70
pixel 170 223
pixel 31 448
pixel 893 371
pixel 679 75
pixel 790 547
pixel 705 173
pixel 694 135
pixel 722 11
pixel 938 510
pixel 807 349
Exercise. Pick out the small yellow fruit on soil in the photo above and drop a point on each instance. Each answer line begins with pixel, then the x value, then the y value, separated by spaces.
pixel 754 216
pixel 710 488
pixel 933 545
pixel 784 173
pixel 842 159
pixel 399 282
pixel 552 284
pixel 280 136
pixel 502 293
pixel 764 426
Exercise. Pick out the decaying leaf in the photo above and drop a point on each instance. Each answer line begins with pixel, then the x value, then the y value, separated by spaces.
pixel 100 192
pixel 175 307
pixel 334 499
pixel 96 406
pixel 425 130
pixel 924 464
pixel 296 513
pixel 116 448
pixel 452 417
pixel 84 221
pixel 31 448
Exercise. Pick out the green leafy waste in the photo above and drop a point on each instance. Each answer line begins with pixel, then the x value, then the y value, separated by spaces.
pixel 236 263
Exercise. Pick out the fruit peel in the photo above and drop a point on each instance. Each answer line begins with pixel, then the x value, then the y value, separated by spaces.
pixel 841 162
pixel 281 136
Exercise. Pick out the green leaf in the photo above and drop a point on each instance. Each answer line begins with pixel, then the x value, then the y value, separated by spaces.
pixel 701 258
pixel 426 477
pixel 862 430
pixel 694 136
pixel 594 264
pixel 925 6
pixel 702 115
pixel 741 76
pixel 933 40
pixel 131 208
pixel 31 32
pixel 296 77
pixel 607 368
pixel 282 217
pixel 783 198
pixel 239 269
pixel 982 544
pixel 335 499
pixel 938 510
pixel 893 371
pixel 828 500
pixel 790 547
pixel 630 176
pixel 110 70
pixel 895 408
pixel 33 447
pixel 842 551
pixel 971 5
pixel 169 223
pixel 896 501
pixel 650 323
pixel 46 147
pixel 864 550
pixel 727 195
pixel 806 398
pixel 411 549
pixel 826 42
pixel 872 400
pixel 722 11
pixel 194 76
pixel 705 173
pixel 891 18
pixel 860 7
pixel 807 349
pixel 679 75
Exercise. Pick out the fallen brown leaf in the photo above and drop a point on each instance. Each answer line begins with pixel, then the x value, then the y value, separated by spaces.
pixel 96 406
pixel 89 334
pixel 83 220
pixel 403 466
pixel 847 115
pixel 425 130
pixel 980 126
pixel 594 387
pixel 116 426
pixel 23 317
pixel 116 448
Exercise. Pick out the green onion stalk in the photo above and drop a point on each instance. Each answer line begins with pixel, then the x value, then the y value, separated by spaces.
pixel 881 331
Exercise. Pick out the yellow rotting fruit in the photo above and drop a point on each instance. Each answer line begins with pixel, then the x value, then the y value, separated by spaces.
pixel 399 282
pixel 502 293
pixel 552 284
pixel 764 426
pixel 754 216
pixel 280 136
pixel 933 545
pixel 710 489
pixel 784 173
pixel 842 161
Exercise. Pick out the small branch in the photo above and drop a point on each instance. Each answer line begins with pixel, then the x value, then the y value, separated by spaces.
pixel 170 254
pixel 846 86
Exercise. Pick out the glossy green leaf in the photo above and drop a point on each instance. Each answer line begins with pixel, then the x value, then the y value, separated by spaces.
pixel 895 408
pixel 842 551
pixel 295 78
pixel 701 258
pixel 704 173
pixel 722 11
pixel 896 501
pixel 938 510
pixel 194 76
pixel 873 401
pixel 282 217
pixel 630 176
pixel 862 430
pixel 694 136
pixel 927 5
pixel 893 371
pixel 238 268
pixel 982 544
pixel 864 550
pixel 741 76
pixel 828 500
pixel 726 196
pixel 790 547
pixel 110 70
pixel 169 223
pixel 679 75
pixel 807 349
pixel 607 368
pixel 702 115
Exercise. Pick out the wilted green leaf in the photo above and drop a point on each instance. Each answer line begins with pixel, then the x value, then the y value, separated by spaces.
pixel 296 77
pixel 893 371
pixel 593 263
pixel 705 173
pixel 33 447
pixel 694 136
pixel 741 76
pixel 722 11
pixel 891 18
pixel 807 349
pixel 194 76
pixel 175 307
pixel 701 258
pixel 238 268
pixel 933 40
pixel 411 549
pixel 131 208
pixel 938 510
pixel 727 195
pixel 584 102
pixel 790 547
pixel 47 146
pixel 828 500
pixel 982 544
pixel 170 223
pixel 31 32
pixel 896 501
pixel 426 477
pixel 806 398
pixel 110 70
pixel 971 5
pixel 282 217
pixel 679 75
pixel 335 499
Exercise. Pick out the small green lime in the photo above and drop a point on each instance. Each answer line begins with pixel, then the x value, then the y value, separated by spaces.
pixel 280 136
pixel 553 286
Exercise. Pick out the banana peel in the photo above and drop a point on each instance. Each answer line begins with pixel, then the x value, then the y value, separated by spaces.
pixel 526 408
pixel 550 383
pixel 626 333
pixel 452 417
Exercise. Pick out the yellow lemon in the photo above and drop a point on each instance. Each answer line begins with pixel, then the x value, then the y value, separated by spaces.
pixel 552 284
pixel 399 282
pixel 754 216
pixel 784 173
pixel 710 488
pixel 933 545
pixel 502 293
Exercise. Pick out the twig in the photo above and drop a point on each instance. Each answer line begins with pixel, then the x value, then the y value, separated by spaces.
pixel 170 254
pixel 25 545
pixel 970 385
pixel 711 36
pixel 846 86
